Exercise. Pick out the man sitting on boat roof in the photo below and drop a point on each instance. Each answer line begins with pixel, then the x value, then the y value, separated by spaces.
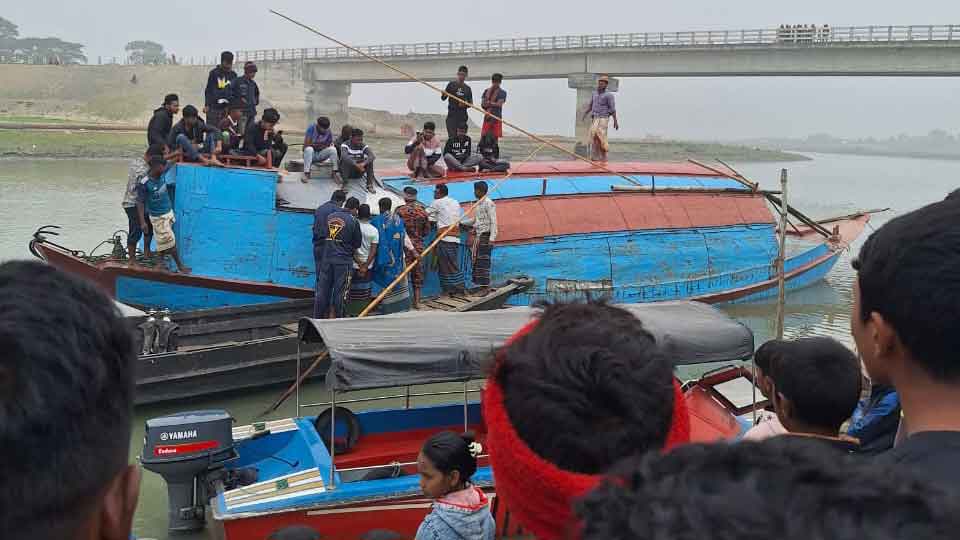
pixel 906 312
pixel 424 151
pixel 356 160
pixel 194 137
pixel 571 394
pixel 66 409
pixel 262 138
pixel 783 488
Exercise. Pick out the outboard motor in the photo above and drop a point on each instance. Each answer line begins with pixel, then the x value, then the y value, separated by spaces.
pixel 185 449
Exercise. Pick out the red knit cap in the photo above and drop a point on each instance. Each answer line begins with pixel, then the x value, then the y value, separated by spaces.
pixel 538 494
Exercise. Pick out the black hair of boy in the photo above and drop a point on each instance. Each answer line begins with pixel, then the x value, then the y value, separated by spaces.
pixel 226 57
pixel 385 204
pixel 908 276
pixel 352 203
pixel 190 112
pixel 323 122
pixel 786 488
pixel 441 190
pixel 66 398
pixel 480 187
pixel 587 386
pixel 821 380
pixel 462 69
pixel 497 78
pixel 271 115
pixel 429 125
pixel 339 196
pixel 363 211
pixel 170 98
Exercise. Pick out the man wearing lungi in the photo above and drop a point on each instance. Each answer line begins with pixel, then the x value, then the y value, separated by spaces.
pixel 417 224
pixel 444 211
pixel 601 108
pixel 484 224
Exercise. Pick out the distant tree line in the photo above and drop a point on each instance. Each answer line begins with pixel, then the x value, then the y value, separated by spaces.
pixel 32 50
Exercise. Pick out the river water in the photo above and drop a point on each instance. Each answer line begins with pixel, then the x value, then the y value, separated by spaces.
pixel 84 197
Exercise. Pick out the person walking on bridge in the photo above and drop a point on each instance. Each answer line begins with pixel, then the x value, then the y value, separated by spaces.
pixel 456 111
pixel 601 108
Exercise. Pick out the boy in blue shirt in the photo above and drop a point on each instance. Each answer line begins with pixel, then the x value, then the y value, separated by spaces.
pixel 154 203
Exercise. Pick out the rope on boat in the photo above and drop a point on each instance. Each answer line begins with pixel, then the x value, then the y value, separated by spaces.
pixel 555 146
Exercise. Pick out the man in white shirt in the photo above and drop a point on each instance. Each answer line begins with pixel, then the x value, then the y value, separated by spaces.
pixel 445 211
pixel 361 285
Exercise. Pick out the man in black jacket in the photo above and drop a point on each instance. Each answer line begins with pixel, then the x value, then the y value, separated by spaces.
pixel 248 93
pixel 220 88
pixel 158 130
pixel 262 138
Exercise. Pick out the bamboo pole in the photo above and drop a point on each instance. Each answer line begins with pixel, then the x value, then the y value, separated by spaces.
pixel 452 97
pixel 782 259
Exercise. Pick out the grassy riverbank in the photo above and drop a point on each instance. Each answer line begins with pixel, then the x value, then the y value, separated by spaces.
pixel 81 143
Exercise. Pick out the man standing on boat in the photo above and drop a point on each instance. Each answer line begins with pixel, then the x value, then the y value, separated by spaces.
pixel 456 111
pixel 220 88
pixel 320 215
pixel 492 102
pixel 248 92
pixel 157 206
pixel 416 222
pixel 333 280
pixel 390 260
pixel 601 108
pixel 484 222
pixel 445 211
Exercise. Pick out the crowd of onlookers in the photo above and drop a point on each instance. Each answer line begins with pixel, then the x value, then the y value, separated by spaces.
pixel 587 429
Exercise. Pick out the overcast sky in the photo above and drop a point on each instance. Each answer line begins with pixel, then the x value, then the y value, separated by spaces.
pixel 718 108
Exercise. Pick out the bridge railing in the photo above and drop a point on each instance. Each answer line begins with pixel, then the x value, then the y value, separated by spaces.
pixel 787 37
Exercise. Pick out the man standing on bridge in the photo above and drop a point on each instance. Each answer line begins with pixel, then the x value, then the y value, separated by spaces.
pixel 601 107
pixel 456 111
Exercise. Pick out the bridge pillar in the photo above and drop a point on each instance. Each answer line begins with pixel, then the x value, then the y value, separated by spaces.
pixel 328 98
pixel 585 84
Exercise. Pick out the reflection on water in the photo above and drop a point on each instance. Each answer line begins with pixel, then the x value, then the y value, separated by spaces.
pixel 84 197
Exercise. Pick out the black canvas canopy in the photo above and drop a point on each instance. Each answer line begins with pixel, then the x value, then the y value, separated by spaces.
pixel 434 346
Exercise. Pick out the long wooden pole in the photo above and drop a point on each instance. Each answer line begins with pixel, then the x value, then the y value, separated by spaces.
pixel 782 259
pixel 452 97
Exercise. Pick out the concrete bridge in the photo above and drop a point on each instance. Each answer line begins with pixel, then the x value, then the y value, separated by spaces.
pixel 856 51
